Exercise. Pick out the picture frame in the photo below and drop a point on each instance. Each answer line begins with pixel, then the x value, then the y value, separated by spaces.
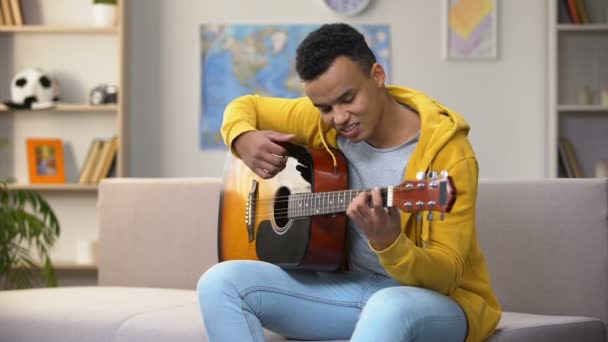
pixel 470 30
pixel 46 163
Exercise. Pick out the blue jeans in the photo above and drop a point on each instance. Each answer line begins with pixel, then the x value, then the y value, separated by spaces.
pixel 240 298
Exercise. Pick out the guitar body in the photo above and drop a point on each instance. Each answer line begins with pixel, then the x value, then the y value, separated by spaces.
pixel 315 242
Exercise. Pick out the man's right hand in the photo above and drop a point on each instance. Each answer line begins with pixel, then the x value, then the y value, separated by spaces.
pixel 261 151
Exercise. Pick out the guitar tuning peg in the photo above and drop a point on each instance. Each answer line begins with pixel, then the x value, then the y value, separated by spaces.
pixel 442 216
pixel 433 175
pixel 420 175
pixel 430 216
pixel 444 174
pixel 419 216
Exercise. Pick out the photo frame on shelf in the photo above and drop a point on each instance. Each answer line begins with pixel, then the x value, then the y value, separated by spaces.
pixel 470 30
pixel 46 163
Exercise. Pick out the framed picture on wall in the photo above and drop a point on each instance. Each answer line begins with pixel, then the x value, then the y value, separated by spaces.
pixel 45 160
pixel 470 29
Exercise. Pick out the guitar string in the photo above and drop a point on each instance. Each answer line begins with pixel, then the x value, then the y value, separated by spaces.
pixel 320 208
pixel 279 214
pixel 332 209
pixel 265 215
pixel 308 204
pixel 321 194
pixel 313 202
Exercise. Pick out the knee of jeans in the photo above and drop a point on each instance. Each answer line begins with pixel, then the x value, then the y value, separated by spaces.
pixel 218 281
pixel 409 309
pixel 393 304
pixel 405 303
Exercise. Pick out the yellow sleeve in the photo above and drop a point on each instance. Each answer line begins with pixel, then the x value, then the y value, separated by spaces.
pixel 253 112
pixel 440 265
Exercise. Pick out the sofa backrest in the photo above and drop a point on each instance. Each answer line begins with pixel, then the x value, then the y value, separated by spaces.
pixel 546 244
pixel 157 232
pixel 545 241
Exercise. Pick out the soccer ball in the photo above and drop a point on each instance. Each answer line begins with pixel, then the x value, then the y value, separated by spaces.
pixel 33 89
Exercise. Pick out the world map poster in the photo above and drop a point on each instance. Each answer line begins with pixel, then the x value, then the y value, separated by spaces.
pixel 238 60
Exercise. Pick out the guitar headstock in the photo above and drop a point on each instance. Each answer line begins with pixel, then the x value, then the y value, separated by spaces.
pixel 432 192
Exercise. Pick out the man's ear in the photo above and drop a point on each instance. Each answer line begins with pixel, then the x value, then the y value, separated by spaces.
pixel 378 74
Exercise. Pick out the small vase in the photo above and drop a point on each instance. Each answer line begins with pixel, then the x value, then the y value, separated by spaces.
pixel 604 97
pixel 601 169
pixel 104 15
pixel 583 96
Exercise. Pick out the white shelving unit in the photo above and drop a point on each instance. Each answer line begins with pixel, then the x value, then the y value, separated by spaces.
pixel 578 59
pixel 60 38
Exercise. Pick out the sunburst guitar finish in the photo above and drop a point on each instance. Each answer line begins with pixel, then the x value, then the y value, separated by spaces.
pixel 297 219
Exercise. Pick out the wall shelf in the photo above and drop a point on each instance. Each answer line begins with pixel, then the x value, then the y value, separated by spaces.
pixel 58 29
pixel 582 27
pixel 66 107
pixel 583 108
pixel 72 187
pixel 70 265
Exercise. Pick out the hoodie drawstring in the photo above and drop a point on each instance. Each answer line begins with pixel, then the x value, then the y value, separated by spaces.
pixel 333 157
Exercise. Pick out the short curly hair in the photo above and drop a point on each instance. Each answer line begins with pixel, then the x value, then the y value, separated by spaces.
pixel 321 47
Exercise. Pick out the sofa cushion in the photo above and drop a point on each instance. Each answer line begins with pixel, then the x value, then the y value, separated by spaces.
pixel 102 314
pixel 69 313
pixel 515 327
pixel 183 323
pixel 121 314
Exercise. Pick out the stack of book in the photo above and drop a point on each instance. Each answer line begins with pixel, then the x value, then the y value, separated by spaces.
pixel 100 161
pixel 573 12
pixel 568 163
pixel 10 13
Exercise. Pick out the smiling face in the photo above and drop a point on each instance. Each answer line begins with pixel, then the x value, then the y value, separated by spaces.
pixel 350 100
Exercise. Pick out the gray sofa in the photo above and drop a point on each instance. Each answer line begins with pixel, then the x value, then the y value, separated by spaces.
pixel 546 244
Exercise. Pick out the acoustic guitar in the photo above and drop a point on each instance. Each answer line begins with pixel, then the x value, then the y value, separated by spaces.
pixel 297 219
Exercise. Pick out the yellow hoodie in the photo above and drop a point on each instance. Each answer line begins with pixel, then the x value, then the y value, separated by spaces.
pixel 440 255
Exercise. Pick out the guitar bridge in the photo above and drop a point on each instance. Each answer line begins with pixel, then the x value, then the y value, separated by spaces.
pixel 250 209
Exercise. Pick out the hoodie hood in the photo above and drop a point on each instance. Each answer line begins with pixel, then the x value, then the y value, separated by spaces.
pixel 438 125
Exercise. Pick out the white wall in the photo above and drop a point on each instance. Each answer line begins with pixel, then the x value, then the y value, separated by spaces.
pixel 503 100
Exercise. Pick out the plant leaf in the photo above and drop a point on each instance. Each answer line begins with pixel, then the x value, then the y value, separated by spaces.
pixel 27 223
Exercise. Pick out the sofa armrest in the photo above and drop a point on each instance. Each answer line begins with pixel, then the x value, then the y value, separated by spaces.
pixel 157 232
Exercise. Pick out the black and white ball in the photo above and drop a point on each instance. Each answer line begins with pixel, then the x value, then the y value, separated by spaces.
pixel 33 89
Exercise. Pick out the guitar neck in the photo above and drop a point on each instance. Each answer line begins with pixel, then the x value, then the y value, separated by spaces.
pixel 331 202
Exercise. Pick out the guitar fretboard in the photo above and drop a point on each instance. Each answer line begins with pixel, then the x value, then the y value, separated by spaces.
pixel 323 203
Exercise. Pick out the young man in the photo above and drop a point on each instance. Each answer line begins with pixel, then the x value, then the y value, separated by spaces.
pixel 408 279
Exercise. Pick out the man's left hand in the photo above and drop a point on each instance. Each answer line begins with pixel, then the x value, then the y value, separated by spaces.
pixel 381 226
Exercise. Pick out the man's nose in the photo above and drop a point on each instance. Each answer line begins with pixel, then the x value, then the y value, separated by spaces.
pixel 340 115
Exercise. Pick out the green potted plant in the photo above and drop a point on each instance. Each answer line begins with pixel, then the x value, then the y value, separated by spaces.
pixel 27 223
pixel 104 13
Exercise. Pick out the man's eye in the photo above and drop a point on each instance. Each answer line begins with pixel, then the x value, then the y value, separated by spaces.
pixel 348 99
pixel 325 109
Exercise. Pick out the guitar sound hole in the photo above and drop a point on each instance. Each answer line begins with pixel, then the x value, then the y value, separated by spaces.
pixel 281 204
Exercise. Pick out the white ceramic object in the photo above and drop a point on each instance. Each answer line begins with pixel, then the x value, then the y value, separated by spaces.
pixel 601 169
pixel 86 251
pixel 104 15
pixel 583 96
pixel 604 97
